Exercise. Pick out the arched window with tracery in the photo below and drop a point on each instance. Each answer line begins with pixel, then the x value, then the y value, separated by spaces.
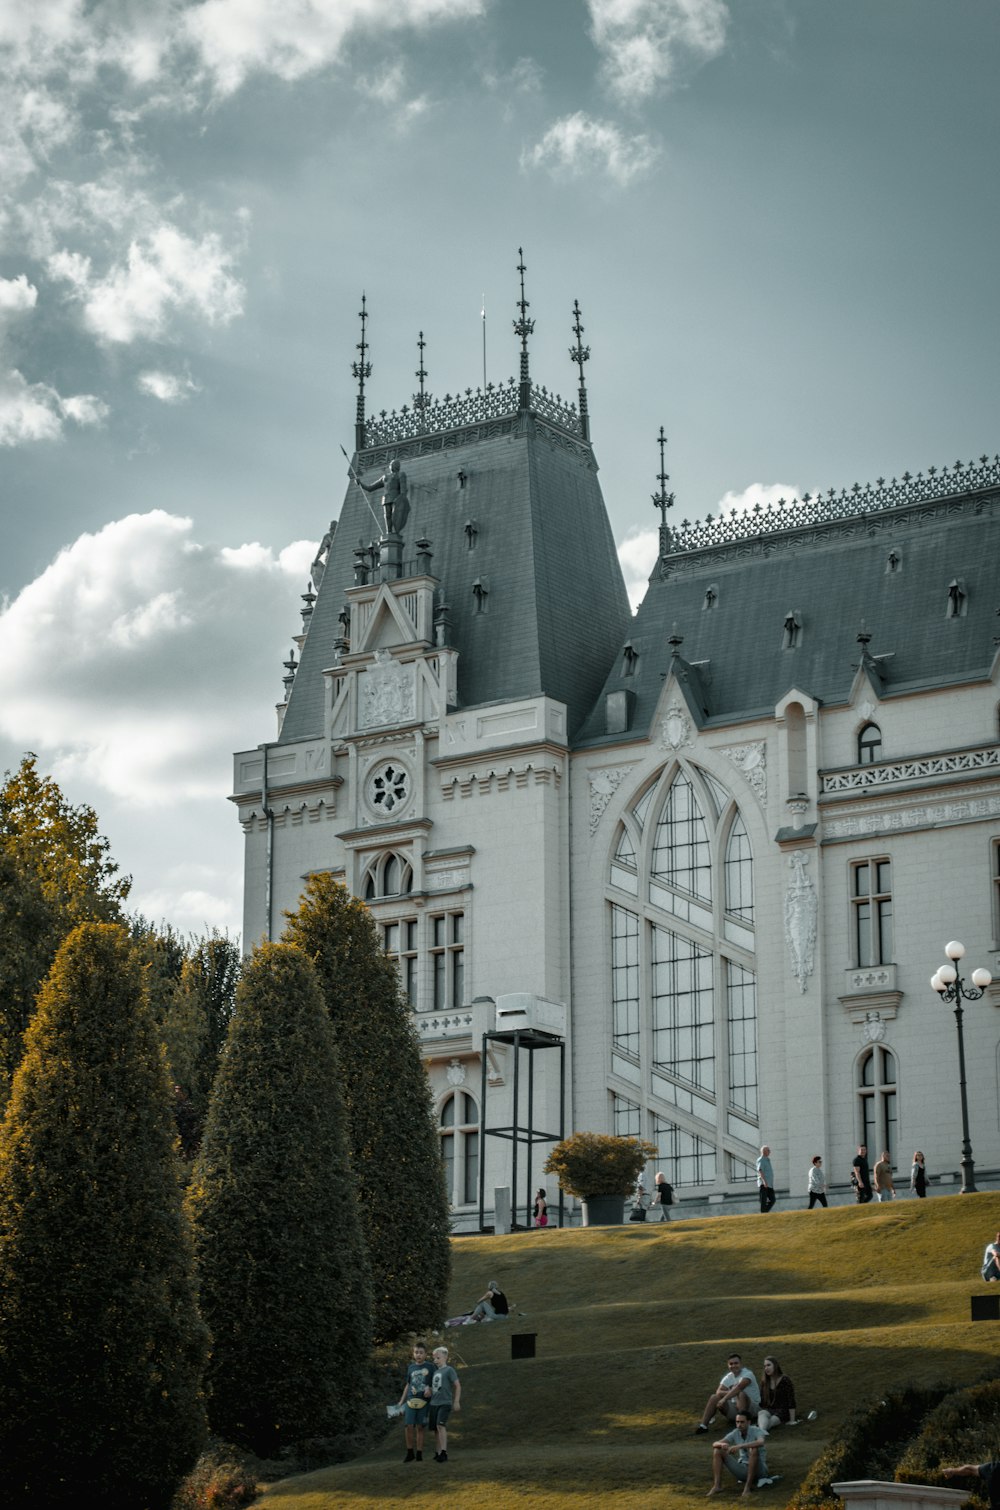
pixel 683 975
pixel 458 1130
pixel 869 744
pixel 387 875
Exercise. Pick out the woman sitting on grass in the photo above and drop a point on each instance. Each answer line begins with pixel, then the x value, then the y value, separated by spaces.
pixel 492 1305
pixel 777 1398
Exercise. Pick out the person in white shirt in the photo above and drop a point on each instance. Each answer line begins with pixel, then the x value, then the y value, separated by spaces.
pixel 817 1182
pixel 738 1390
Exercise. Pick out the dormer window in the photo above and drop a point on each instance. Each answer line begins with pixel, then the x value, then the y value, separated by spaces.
pixel 958 599
pixel 710 599
pixel 630 659
pixel 869 744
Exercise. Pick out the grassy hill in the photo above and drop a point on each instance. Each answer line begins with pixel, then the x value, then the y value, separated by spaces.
pixel 633 1326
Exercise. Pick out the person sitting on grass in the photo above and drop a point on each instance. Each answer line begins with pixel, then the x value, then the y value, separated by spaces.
pixel 742 1452
pixel 988 1472
pixel 738 1390
pixel 492 1305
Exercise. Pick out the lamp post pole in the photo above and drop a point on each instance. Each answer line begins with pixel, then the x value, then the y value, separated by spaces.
pixel 950 987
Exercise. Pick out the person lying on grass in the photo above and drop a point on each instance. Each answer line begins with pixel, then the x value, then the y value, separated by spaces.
pixel 742 1452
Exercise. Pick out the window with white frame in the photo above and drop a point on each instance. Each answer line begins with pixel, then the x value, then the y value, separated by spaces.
pixel 683 976
pixel 447 956
pixel 458 1130
pixel 869 744
pixel 877 1101
pixel 871 908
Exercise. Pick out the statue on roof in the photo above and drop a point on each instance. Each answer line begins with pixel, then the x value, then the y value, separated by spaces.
pixel 395 502
pixel 322 557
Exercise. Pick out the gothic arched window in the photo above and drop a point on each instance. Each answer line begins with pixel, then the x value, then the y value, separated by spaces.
pixel 387 875
pixel 683 976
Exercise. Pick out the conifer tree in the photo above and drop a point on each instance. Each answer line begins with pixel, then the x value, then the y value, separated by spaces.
pixel 394 1144
pixel 101 1346
pixel 281 1262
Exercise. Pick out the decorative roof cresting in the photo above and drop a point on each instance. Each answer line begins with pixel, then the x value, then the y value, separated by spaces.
pixel 960 479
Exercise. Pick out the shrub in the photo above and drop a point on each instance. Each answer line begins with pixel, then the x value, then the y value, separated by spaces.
pixel 393 1138
pixel 101 1346
pixel 964 1427
pixel 594 1164
pixel 867 1445
pixel 281 1261
pixel 220 1480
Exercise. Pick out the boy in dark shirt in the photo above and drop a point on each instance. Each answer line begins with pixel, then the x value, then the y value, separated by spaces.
pixel 415 1401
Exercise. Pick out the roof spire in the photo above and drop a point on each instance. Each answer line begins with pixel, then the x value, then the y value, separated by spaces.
pixel 361 370
pixel 523 328
pixel 580 354
pixel 662 499
pixel 421 399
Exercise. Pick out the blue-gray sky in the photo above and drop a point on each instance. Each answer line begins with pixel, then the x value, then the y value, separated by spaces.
pixel 780 219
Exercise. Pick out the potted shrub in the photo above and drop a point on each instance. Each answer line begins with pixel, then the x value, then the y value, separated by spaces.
pixel 600 1170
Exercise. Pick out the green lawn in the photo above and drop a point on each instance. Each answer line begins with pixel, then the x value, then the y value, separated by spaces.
pixel 633 1326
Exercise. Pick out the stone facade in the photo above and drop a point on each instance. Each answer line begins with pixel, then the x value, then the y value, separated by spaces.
pixel 736 867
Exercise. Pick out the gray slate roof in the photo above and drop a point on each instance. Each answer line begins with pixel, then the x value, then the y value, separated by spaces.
pixel 556 606
pixel 834 575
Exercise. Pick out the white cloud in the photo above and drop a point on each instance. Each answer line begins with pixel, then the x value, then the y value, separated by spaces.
pixel 644 44
pixel 158 651
pixel 17 294
pixel 637 554
pixel 166 386
pixel 292 38
pixel 35 411
pixel 166 272
pixel 576 144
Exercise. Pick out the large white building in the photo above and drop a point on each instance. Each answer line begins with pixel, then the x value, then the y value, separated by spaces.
pixel 730 834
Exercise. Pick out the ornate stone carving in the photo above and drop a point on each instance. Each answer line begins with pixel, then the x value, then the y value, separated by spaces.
pixel 388 789
pixel 872 1029
pixel 862 778
pixel 603 785
pixel 385 693
pixel 751 761
pixel 676 730
pixel 455 1072
pixel 800 919
pixel 911 817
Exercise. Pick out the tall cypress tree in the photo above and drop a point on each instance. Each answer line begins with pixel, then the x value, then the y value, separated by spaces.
pixel 394 1142
pixel 101 1346
pixel 281 1262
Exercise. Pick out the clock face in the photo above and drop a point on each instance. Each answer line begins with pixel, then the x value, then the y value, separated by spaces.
pixel 388 788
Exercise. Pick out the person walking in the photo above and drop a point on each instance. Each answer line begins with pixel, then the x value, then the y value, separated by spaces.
pixel 765 1179
pixel 861 1176
pixel 885 1190
pixel 541 1209
pixel 663 1197
pixel 918 1176
pixel 817 1182
pixel 991 1261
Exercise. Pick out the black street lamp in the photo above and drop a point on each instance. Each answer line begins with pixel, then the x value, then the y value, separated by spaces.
pixel 951 988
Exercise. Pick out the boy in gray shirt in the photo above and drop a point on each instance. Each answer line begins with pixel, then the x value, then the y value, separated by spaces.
pixel 446 1395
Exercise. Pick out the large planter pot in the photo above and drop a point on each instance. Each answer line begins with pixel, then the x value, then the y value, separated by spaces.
pixel 604 1211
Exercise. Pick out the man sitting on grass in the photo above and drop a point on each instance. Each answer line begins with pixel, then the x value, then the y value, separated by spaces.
pixel 742 1452
pixel 738 1390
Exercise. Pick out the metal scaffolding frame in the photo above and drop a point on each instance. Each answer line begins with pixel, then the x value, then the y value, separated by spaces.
pixel 533 1040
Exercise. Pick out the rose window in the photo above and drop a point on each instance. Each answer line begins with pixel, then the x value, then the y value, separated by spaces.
pixel 388 788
